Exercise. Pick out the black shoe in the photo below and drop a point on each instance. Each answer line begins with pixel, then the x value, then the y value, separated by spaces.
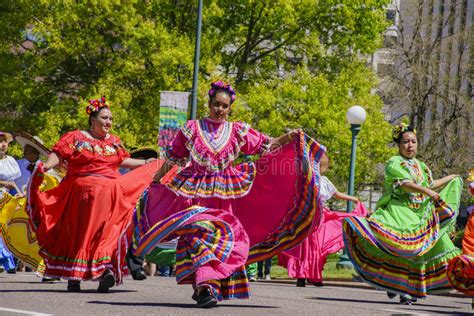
pixel 205 299
pixel 139 275
pixel 11 271
pixel 318 284
pixel 301 283
pixel 391 295
pixel 107 280
pixel 73 286
pixel 407 299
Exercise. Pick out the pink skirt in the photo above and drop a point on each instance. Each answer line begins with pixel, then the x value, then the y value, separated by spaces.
pixel 307 260
pixel 277 214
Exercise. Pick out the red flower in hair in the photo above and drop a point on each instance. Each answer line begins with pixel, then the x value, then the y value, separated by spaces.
pixel 96 104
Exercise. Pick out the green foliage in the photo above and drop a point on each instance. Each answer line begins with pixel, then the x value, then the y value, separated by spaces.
pixel 295 64
pixel 320 106
pixel 85 50
pixel 330 272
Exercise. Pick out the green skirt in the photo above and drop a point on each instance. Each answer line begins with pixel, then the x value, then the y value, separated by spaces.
pixel 404 250
pixel 162 257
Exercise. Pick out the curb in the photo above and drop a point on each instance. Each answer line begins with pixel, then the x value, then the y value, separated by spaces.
pixel 356 285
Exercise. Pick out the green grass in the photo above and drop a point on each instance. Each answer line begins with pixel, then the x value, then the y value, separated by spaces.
pixel 330 271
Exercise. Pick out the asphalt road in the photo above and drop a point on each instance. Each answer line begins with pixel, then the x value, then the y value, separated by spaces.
pixel 23 294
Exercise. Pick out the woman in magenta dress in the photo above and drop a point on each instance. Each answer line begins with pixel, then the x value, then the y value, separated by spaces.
pixel 306 261
pixel 227 215
pixel 81 224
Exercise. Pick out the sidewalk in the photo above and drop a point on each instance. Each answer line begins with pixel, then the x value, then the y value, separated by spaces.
pixel 353 284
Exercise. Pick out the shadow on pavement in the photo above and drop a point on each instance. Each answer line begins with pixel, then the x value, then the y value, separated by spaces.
pixel 87 291
pixel 394 302
pixel 191 305
pixel 30 290
pixel 438 311
pixel 32 282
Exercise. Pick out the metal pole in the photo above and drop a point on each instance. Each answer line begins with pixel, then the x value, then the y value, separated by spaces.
pixel 344 261
pixel 197 49
pixel 355 129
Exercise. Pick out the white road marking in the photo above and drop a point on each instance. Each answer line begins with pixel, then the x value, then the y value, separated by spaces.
pixel 402 312
pixel 19 311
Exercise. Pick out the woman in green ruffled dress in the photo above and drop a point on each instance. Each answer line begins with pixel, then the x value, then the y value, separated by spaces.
pixel 404 247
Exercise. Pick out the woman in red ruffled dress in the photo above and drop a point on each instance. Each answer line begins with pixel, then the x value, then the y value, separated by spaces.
pixel 82 224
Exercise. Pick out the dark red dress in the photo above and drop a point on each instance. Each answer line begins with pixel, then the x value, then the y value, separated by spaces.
pixel 82 224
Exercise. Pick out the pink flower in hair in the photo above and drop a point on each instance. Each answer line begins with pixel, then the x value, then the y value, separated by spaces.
pixel 220 85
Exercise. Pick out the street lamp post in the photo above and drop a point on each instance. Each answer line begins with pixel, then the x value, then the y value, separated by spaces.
pixel 197 49
pixel 356 117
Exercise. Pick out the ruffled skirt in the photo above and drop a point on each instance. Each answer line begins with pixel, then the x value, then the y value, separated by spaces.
pixel 81 225
pixel 18 234
pixel 307 259
pixel 16 228
pixel 277 214
pixel 402 250
pixel 6 257
pixel 461 268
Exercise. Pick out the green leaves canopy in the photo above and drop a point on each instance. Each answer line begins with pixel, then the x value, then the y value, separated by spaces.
pixel 294 63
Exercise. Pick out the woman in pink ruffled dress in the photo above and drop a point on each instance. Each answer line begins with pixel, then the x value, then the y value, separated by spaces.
pixel 227 215
pixel 306 261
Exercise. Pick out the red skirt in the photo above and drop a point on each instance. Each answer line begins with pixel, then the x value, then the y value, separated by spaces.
pixel 82 225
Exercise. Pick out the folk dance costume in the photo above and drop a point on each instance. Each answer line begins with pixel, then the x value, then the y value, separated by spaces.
pixel 16 229
pixel 6 258
pixel 461 268
pixel 9 171
pixel 307 260
pixel 14 222
pixel 224 215
pixel 81 225
pixel 404 247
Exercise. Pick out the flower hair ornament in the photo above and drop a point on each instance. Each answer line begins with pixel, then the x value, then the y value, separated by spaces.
pixel 400 129
pixel 220 85
pixel 96 104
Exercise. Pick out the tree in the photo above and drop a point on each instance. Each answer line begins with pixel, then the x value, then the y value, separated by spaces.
pixel 84 50
pixel 320 106
pixel 430 81
pixel 296 64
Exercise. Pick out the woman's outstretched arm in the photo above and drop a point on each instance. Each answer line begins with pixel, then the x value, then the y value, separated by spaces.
pixel 163 170
pixel 341 196
pixel 284 139
pixel 132 163
pixel 413 187
pixel 53 161
pixel 439 183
